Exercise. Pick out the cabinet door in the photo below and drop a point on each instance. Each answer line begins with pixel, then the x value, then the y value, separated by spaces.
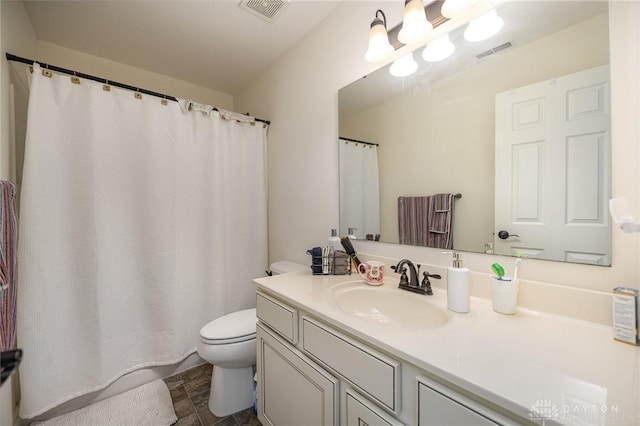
pixel 360 412
pixel 440 406
pixel 292 389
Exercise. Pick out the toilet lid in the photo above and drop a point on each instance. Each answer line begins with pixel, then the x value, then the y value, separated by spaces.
pixel 233 327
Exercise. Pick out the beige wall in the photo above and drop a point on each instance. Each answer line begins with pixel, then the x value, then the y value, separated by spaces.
pixel 116 71
pixel 440 137
pixel 299 95
pixel 18 38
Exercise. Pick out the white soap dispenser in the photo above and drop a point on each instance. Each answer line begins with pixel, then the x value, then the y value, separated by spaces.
pixel 352 233
pixel 457 286
pixel 334 240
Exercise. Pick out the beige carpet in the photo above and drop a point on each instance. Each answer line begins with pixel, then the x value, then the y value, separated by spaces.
pixel 148 404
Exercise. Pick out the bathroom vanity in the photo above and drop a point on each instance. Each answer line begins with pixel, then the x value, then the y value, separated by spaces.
pixel 334 351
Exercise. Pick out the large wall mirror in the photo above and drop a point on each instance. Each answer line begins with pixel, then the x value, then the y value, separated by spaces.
pixel 517 126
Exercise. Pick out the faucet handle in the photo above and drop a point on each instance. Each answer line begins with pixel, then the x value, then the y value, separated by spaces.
pixel 426 284
pixel 403 278
pixel 402 270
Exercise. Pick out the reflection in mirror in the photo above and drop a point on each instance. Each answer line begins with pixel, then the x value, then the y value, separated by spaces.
pixel 359 188
pixel 518 124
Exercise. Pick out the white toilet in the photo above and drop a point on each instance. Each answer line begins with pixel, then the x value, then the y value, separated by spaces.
pixel 229 343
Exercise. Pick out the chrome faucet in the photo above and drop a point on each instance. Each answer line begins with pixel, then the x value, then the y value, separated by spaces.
pixel 412 283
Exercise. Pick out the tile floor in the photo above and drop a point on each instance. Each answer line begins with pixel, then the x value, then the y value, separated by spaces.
pixel 190 394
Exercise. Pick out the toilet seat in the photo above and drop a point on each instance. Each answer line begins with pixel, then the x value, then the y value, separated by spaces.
pixel 231 328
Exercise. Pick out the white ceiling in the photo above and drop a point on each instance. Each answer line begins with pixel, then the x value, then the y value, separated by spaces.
pixel 211 43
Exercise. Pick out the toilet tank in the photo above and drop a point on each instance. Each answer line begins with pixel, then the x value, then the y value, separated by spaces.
pixel 284 266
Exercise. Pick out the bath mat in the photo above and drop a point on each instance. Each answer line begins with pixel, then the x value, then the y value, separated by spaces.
pixel 148 404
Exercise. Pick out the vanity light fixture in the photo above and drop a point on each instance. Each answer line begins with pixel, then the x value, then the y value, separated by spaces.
pixel 415 26
pixel 484 26
pixel 404 66
pixel 438 49
pixel 456 8
pixel 379 46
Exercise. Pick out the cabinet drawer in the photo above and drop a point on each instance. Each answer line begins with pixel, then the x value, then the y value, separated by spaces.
pixel 373 373
pixel 279 316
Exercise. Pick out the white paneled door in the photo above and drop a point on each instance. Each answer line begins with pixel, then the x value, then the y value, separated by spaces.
pixel 553 169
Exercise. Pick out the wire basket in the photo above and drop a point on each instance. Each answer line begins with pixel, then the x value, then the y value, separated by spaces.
pixel 336 262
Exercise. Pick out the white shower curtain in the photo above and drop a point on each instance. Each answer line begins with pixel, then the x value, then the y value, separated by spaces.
pixel 139 224
pixel 359 188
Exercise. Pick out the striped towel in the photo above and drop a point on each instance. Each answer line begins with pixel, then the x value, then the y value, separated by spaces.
pixel 8 265
pixel 426 221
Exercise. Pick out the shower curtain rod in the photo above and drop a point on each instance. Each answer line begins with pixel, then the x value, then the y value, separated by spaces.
pixel 357 141
pixel 15 58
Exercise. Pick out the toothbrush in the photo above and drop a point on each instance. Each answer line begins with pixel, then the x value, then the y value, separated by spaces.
pixel 515 273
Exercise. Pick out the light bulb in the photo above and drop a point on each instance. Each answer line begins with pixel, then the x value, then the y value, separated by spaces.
pixel 438 49
pixel 379 46
pixel 415 26
pixel 404 66
pixel 484 27
pixel 456 8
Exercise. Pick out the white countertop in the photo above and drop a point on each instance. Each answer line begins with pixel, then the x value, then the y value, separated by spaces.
pixel 521 361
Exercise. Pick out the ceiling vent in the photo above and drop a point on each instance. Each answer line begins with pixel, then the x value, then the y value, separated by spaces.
pixel 266 10
pixel 494 50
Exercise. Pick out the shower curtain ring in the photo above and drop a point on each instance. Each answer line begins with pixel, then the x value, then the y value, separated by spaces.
pixel 75 79
pixel 46 71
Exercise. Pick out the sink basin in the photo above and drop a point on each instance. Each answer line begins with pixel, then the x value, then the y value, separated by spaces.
pixel 389 306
